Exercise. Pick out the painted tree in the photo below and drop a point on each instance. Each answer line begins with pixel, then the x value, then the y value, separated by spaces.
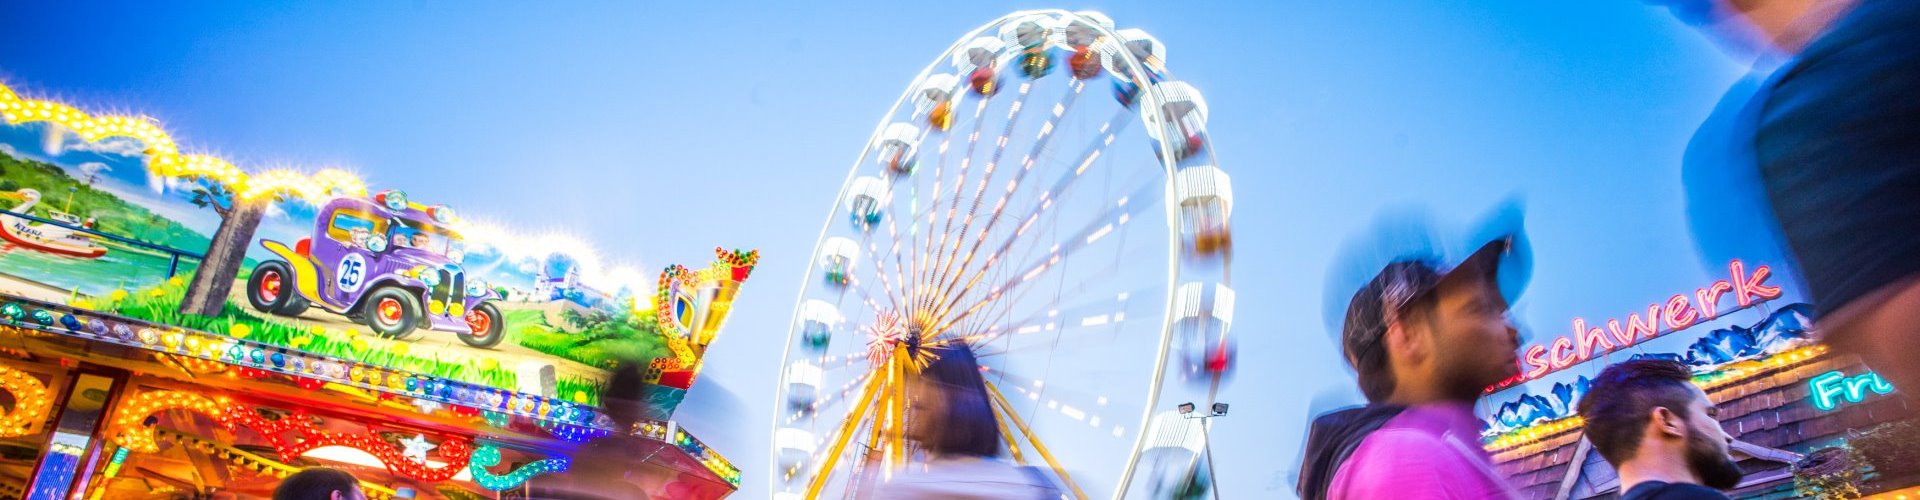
pixel 213 278
pixel 241 201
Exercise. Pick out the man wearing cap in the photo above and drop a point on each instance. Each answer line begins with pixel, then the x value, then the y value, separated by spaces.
pixel 1425 339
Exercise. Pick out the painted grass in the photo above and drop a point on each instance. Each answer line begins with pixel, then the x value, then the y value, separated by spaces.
pixel 603 341
pixel 161 304
pixel 579 390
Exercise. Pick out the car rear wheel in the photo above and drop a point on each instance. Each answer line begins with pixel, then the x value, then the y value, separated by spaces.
pixel 270 289
pixel 484 321
pixel 391 312
pixel 295 305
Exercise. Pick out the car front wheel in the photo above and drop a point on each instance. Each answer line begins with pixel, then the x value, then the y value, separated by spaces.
pixel 391 312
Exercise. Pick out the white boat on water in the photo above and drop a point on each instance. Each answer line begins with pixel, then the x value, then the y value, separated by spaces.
pixel 48 238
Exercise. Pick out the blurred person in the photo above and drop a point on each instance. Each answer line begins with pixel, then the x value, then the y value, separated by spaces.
pixel 1834 138
pixel 951 418
pixel 1426 336
pixel 1659 431
pixel 319 483
pixel 608 468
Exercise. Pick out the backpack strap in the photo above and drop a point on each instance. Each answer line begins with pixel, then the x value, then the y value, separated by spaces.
pixel 1332 439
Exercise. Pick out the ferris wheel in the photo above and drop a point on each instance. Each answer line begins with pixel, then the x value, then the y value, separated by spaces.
pixel 1046 193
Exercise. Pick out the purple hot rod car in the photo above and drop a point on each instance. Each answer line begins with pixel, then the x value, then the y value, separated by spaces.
pixel 385 262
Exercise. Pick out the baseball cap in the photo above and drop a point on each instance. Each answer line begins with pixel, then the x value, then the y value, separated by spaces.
pixel 1405 254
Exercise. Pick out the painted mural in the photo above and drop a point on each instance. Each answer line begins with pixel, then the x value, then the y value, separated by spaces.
pixel 106 213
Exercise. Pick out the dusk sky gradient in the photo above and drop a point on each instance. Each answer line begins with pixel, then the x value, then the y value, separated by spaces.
pixel 661 130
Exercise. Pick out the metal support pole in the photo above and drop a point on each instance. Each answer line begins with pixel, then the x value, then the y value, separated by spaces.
pixel 1206 447
pixel 1206 443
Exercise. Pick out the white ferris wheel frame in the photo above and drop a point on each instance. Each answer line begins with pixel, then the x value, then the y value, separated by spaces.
pixel 1150 106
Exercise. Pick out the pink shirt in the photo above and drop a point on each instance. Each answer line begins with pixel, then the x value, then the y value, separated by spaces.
pixel 1426 452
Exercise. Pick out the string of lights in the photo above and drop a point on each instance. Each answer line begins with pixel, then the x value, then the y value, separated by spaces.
pixel 488 455
pixel 241 458
pixel 134 431
pixel 31 401
pixel 165 159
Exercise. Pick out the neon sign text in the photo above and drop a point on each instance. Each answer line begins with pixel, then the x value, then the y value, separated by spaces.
pixel 1830 388
pixel 1676 313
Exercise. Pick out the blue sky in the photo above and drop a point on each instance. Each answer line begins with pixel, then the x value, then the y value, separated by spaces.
pixel 659 131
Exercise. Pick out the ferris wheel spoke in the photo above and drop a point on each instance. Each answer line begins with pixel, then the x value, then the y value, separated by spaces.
pixel 953 208
pixel 932 213
pixel 1060 189
pixel 866 296
pixel 1102 225
pixel 1085 287
pixel 1047 335
pixel 980 189
pixel 900 287
pixel 1048 197
pixel 987 318
pixel 880 274
pixel 1038 342
pixel 916 211
pixel 1012 441
pixel 1073 405
pixel 1006 409
pixel 900 273
pixel 1046 319
pixel 828 402
pixel 1103 313
pixel 822 467
pixel 1026 166
pixel 846 432
pixel 842 360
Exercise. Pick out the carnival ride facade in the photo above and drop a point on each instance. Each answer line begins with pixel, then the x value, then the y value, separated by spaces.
pixel 1045 193
pixel 104 406
pixel 132 376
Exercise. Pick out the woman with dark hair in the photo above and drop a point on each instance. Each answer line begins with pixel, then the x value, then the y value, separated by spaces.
pixel 951 417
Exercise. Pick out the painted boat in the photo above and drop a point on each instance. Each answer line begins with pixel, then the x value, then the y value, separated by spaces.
pixel 47 238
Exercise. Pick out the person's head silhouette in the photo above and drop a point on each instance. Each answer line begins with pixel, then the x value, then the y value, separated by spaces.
pixel 319 483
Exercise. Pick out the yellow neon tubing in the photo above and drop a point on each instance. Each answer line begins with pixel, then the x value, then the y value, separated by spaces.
pixel 1007 408
pixel 164 158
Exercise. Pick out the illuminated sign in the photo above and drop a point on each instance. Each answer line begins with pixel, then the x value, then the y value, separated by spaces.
pixel 1676 313
pixel 1830 388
